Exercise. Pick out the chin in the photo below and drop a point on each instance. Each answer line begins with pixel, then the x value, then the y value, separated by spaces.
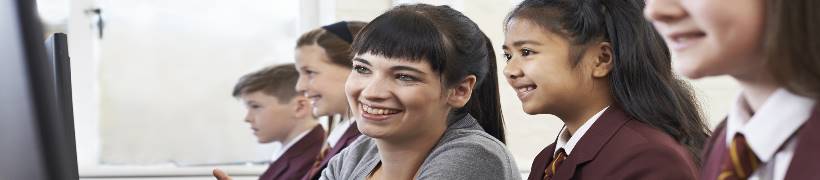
pixel 264 141
pixel 532 109
pixel 319 112
pixel 372 131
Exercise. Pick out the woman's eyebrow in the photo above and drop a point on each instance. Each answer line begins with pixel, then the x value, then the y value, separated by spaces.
pixel 406 68
pixel 361 60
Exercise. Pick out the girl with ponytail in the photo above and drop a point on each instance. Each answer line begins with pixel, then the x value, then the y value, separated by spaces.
pixel 424 93
pixel 604 71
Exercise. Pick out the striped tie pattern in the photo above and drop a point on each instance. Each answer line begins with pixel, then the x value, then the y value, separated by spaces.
pixel 551 169
pixel 742 162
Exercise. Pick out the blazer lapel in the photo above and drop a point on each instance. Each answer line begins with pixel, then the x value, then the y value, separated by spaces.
pixel 593 141
pixel 805 159
pixel 295 153
pixel 714 153
pixel 540 163
pixel 275 169
pixel 350 134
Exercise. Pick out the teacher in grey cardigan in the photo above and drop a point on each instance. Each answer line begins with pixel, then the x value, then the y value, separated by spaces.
pixel 424 91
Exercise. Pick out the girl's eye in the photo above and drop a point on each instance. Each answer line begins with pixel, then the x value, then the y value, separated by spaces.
pixel 526 52
pixel 255 106
pixel 405 77
pixel 508 56
pixel 361 69
pixel 310 73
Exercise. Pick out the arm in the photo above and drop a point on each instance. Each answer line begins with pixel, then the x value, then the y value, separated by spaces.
pixel 470 160
pixel 655 163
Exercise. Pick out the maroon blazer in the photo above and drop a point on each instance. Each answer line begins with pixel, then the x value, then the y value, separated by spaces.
pixel 299 158
pixel 805 161
pixel 347 138
pixel 619 147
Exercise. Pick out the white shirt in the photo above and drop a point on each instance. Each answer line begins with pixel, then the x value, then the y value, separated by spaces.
pixel 337 132
pixel 568 141
pixel 276 155
pixel 769 132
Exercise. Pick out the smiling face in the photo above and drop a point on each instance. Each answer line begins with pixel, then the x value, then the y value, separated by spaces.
pixel 540 70
pixel 270 120
pixel 321 81
pixel 396 98
pixel 709 37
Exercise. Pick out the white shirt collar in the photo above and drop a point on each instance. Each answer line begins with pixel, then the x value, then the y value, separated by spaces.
pixel 772 125
pixel 337 133
pixel 568 142
pixel 276 155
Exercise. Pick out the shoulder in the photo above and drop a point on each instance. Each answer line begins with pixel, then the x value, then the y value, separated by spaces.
pixel 469 154
pixel 360 150
pixel 359 154
pixel 650 153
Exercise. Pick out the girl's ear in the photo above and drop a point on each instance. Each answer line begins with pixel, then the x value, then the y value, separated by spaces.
pixel 602 65
pixel 462 92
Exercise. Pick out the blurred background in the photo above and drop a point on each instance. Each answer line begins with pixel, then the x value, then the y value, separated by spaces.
pixel 152 79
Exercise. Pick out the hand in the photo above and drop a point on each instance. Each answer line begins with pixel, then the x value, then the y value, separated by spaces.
pixel 221 175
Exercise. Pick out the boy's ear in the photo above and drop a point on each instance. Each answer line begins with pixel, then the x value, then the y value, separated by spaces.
pixel 461 93
pixel 301 107
pixel 604 61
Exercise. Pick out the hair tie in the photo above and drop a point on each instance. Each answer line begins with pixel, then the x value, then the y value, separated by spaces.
pixel 341 30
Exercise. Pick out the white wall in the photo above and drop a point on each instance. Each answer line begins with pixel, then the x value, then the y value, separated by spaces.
pixel 166 73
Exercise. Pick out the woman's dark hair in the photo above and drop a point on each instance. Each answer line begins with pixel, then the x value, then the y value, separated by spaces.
pixel 793 45
pixel 453 45
pixel 336 46
pixel 642 81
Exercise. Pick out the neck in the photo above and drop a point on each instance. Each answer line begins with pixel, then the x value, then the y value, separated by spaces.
pixel 305 125
pixel 401 159
pixel 577 116
pixel 757 87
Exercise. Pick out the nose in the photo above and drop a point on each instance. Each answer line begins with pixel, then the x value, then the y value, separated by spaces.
pixel 376 90
pixel 664 10
pixel 248 117
pixel 301 84
pixel 512 70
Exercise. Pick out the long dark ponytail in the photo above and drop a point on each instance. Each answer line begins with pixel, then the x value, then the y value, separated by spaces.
pixel 642 81
pixel 453 45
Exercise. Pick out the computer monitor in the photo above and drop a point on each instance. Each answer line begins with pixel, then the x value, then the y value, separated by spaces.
pixel 57 57
pixel 33 141
pixel 57 53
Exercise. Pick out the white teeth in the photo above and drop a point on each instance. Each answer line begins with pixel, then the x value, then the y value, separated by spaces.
pixel 377 111
pixel 526 89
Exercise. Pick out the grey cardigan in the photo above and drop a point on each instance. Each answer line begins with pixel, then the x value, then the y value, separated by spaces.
pixel 465 151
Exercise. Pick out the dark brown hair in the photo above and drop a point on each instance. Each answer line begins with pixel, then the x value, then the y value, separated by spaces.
pixel 792 44
pixel 642 82
pixel 278 81
pixel 453 45
pixel 337 49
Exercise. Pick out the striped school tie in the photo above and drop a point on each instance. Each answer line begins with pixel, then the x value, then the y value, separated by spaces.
pixel 553 166
pixel 742 162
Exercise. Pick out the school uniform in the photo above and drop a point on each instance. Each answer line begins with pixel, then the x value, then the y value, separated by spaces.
pixel 344 134
pixel 779 141
pixel 612 145
pixel 296 157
